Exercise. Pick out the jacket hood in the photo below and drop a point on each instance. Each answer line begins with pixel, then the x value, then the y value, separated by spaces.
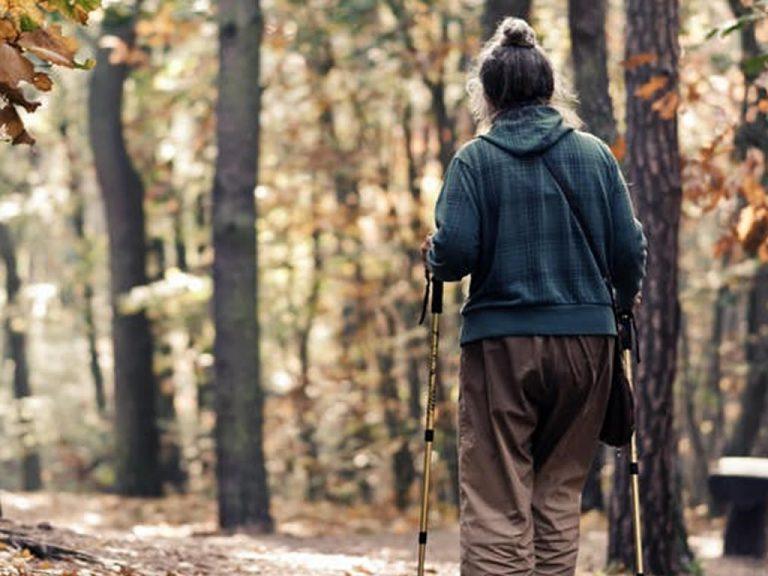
pixel 527 130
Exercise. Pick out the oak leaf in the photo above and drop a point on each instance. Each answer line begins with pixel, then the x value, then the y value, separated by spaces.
pixel 50 45
pixel 14 67
pixel 12 128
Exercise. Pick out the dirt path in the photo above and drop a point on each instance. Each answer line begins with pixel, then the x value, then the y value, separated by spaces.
pixel 162 549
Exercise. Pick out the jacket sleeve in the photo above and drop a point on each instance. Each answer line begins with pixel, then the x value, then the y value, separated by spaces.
pixel 629 250
pixel 456 244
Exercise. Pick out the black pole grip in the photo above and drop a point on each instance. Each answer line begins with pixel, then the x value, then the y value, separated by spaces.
pixel 625 329
pixel 437 297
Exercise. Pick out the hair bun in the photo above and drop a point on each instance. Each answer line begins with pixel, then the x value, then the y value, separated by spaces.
pixel 517 32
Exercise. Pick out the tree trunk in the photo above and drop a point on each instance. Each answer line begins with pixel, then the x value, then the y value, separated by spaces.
pixel 653 163
pixel 496 10
pixel 699 468
pixel 84 246
pixel 713 375
pixel 137 465
pixel 306 417
pixel 16 352
pixel 586 20
pixel 243 488
pixel 753 398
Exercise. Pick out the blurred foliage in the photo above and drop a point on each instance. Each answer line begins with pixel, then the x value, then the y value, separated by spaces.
pixel 360 99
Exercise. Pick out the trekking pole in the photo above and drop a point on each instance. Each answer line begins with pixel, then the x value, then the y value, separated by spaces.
pixel 627 324
pixel 429 429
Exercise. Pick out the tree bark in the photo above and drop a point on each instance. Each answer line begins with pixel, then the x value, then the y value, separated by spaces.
pixel 653 163
pixel 243 488
pixel 16 351
pixel 496 10
pixel 306 417
pixel 586 20
pixel 77 221
pixel 137 466
pixel 699 468
pixel 754 397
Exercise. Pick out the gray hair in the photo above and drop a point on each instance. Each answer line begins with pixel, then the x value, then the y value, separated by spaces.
pixel 512 69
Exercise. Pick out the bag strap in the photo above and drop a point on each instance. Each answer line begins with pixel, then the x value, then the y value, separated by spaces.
pixel 583 228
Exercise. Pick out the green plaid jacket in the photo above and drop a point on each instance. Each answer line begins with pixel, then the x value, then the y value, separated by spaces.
pixel 502 219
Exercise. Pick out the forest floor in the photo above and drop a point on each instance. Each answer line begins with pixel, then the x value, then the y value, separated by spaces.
pixel 175 537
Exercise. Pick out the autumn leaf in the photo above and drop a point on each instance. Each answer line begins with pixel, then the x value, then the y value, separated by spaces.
pixel 14 67
pixel 42 81
pixel 762 252
pixel 50 45
pixel 752 227
pixel 647 90
pixel 24 14
pixel 16 96
pixel 76 10
pixel 637 60
pixel 23 30
pixel 724 245
pixel 666 106
pixel 12 128
pixel 753 191
pixel 619 148
pixel 7 30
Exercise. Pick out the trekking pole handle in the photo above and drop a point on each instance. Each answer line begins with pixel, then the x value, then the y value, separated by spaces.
pixel 437 297
pixel 625 325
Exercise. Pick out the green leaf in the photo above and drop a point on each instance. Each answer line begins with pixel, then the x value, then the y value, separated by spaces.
pixel 755 65
pixel 27 24
pixel 87 65
pixel 740 23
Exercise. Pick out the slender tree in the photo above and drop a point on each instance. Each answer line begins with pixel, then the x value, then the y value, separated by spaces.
pixel 653 166
pixel 84 280
pixel 16 352
pixel 137 444
pixel 243 491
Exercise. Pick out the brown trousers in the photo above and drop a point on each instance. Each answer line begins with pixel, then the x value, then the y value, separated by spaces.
pixel 530 411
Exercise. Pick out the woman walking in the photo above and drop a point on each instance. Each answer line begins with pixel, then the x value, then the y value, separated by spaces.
pixel 533 210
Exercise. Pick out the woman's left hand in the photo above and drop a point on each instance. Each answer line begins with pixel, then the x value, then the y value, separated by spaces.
pixel 426 246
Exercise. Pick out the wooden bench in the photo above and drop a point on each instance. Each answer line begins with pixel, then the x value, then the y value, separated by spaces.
pixel 743 483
